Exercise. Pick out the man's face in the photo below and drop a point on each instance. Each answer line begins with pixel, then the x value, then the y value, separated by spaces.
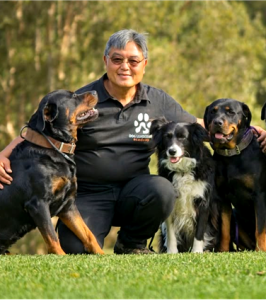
pixel 125 67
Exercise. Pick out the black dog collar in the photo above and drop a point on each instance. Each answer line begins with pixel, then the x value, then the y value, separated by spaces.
pixel 238 148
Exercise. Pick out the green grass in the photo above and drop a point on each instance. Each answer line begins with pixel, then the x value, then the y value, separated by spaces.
pixel 208 275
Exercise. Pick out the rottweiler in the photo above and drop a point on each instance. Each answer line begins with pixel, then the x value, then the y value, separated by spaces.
pixel 240 176
pixel 44 173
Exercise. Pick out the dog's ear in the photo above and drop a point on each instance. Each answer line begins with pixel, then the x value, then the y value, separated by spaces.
pixel 45 112
pixel 247 114
pixel 48 114
pixel 205 118
pixel 263 111
pixel 157 124
pixel 198 134
pixel 155 129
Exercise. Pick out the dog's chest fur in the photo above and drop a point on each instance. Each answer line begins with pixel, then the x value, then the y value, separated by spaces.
pixel 184 213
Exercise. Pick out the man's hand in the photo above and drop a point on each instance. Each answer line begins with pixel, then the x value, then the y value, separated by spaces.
pixel 4 170
pixel 261 138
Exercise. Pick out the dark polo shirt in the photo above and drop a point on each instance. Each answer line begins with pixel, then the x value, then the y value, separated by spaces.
pixel 117 146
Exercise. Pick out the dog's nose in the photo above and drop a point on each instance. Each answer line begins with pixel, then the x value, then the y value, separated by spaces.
pixel 218 122
pixel 172 151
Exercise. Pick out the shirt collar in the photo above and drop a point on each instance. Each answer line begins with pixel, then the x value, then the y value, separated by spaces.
pixel 104 95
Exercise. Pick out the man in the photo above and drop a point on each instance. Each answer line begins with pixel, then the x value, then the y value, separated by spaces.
pixel 113 152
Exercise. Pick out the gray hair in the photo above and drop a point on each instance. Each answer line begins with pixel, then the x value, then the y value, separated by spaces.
pixel 120 38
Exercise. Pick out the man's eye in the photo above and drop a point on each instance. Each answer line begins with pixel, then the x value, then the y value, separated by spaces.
pixel 133 62
pixel 117 60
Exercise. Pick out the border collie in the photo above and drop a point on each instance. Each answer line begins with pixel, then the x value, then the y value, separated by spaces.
pixel 184 160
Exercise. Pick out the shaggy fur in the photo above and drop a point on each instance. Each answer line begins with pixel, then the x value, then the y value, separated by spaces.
pixel 187 163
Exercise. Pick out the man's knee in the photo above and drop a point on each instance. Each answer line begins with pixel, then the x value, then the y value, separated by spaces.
pixel 164 193
pixel 156 191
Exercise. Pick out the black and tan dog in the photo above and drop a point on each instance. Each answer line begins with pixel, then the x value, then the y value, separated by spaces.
pixel 187 163
pixel 44 173
pixel 241 176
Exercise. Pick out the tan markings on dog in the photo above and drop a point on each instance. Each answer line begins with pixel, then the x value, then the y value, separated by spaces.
pixel 226 126
pixel 67 113
pixel 53 246
pixel 225 232
pixel 248 180
pixel 90 100
pixel 227 108
pixel 75 223
pixel 81 108
pixel 58 184
pixel 231 128
pixel 260 238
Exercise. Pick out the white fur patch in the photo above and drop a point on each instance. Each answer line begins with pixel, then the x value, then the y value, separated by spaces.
pixel 197 246
pixel 183 217
pixel 178 150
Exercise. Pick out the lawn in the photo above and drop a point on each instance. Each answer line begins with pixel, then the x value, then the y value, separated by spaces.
pixel 165 276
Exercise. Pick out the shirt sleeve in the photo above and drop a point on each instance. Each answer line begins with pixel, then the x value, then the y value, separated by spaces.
pixel 173 111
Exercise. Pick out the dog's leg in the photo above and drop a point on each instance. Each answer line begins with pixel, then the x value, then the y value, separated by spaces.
pixel 260 233
pixel 73 220
pixel 225 231
pixel 171 237
pixel 40 213
pixel 201 224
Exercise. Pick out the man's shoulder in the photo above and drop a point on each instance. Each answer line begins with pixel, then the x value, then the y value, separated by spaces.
pixel 152 89
pixel 155 93
pixel 88 87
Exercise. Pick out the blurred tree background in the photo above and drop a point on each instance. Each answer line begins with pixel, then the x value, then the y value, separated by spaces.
pixel 199 51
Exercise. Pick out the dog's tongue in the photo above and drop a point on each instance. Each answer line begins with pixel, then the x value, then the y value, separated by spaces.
pixel 174 160
pixel 219 136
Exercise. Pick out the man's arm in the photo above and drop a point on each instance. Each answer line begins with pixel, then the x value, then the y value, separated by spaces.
pixel 5 162
pixel 201 122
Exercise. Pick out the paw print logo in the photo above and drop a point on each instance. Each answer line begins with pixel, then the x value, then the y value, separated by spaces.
pixel 142 123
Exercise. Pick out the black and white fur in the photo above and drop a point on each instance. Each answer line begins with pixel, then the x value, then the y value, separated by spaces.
pixel 184 160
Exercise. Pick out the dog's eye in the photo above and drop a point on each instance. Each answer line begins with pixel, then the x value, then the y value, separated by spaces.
pixel 169 135
pixel 213 111
pixel 230 112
